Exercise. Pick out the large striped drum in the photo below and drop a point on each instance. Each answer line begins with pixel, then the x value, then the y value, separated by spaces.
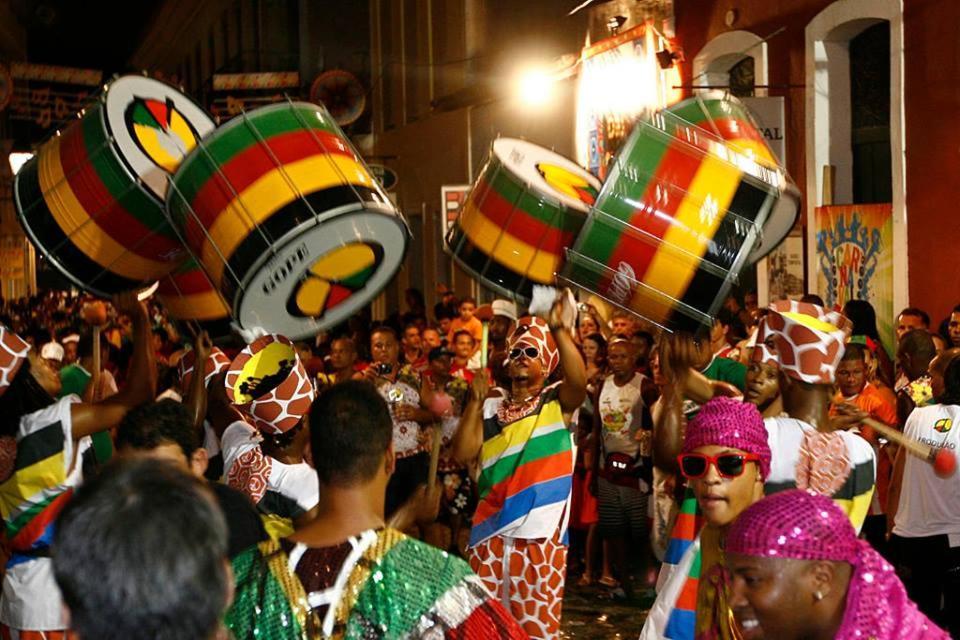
pixel 91 199
pixel 188 294
pixel 683 210
pixel 286 220
pixel 524 210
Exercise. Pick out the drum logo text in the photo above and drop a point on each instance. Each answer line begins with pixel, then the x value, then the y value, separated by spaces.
pixel 622 282
pixel 286 269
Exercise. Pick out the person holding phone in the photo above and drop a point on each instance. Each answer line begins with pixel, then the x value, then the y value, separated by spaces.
pixel 400 387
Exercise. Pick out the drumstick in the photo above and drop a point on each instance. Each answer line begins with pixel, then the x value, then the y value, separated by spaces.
pixel 435 455
pixel 943 460
pixel 485 336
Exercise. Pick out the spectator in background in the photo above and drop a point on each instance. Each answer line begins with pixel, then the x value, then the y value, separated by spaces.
pixel 501 325
pixel 864 319
pixel 912 318
pixel 464 348
pixel 431 339
pixel 70 342
pixel 400 387
pixel 466 321
pixel 141 552
pixel 914 355
pixel 856 395
pixel 953 328
pixel 413 353
pixel 343 360
pixel 53 353
pixel 445 324
pixel 622 323
pixel 813 298
pixel 925 509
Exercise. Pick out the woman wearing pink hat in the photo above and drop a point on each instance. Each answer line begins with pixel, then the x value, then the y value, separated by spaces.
pixel 725 459
pixel 798 564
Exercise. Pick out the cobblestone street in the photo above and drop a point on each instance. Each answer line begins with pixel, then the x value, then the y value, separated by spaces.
pixel 589 613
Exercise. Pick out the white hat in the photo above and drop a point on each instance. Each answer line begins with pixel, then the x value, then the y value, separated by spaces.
pixel 504 308
pixel 73 337
pixel 52 351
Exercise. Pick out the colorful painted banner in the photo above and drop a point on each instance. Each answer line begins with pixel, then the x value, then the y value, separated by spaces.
pixel 855 259
pixel 269 80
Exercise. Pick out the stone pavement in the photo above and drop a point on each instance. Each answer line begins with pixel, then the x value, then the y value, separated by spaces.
pixel 589 613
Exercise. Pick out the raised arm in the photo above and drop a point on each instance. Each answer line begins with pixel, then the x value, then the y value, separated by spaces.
pixel 196 396
pixel 468 439
pixel 141 379
pixel 573 389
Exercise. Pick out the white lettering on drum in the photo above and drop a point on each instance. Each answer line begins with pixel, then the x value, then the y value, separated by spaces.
pixel 622 282
pixel 286 268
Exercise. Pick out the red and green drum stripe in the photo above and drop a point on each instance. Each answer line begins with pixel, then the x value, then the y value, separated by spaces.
pixel 510 237
pixel 82 207
pixel 233 195
pixel 659 184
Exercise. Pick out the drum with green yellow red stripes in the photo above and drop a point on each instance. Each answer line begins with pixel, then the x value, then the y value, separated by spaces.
pixel 523 211
pixel 91 199
pixel 188 294
pixel 686 205
pixel 286 221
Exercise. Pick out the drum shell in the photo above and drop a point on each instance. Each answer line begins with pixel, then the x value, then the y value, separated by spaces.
pixel 250 198
pixel 675 223
pixel 188 295
pixel 85 208
pixel 511 234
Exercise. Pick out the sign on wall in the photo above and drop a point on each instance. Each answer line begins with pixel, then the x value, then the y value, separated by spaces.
pixel 452 198
pixel 855 259
pixel 769 114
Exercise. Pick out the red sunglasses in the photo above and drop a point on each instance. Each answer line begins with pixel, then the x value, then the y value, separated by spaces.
pixel 729 465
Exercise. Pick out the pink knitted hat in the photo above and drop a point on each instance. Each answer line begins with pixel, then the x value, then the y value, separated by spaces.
pixel 803 525
pixel 731 423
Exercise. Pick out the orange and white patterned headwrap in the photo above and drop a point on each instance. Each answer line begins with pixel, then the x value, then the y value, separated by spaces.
pixel 532 331
pixel 804 340
pixel 13 351
pixel 217 362
pixel 268 383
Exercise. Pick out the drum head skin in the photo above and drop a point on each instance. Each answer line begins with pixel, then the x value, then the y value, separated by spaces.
pixel 154 127
pixel 548 173
pixel 324 274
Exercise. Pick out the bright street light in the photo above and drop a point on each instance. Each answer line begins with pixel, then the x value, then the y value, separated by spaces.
pixel 535 87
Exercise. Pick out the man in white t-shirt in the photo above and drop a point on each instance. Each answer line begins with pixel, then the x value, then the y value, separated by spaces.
pixel 623 470
pixel 926 530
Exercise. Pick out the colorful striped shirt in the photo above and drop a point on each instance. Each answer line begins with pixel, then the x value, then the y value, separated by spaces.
pixel 43 480
pixel 526 472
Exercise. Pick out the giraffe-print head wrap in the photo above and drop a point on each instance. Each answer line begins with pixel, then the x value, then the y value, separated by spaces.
pixel 532 331
pixel 804 340
pixel 13 351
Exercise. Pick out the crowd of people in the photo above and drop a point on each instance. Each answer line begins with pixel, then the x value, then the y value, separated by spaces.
pixel 445 473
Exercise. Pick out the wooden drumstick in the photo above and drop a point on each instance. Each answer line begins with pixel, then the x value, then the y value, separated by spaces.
pixel 435 454
pixel 943 460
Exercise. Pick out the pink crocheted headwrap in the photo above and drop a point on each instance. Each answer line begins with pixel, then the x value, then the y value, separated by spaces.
pixel 532 331
pixel 726 422
pixel 803 525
